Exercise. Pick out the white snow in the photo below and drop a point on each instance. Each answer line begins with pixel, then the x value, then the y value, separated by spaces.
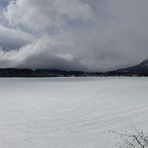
pixel 70 112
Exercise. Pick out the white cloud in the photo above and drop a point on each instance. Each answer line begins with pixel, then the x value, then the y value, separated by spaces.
pixel 41 15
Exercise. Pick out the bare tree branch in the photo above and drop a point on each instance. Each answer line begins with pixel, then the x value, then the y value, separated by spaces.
pixel 136 140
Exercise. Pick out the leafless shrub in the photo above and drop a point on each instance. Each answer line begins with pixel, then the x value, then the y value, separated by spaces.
pixel 135 140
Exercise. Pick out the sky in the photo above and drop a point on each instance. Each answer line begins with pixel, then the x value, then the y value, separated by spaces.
pixel 87 35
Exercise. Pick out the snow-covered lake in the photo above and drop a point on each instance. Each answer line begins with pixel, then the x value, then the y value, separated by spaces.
pixel 70 112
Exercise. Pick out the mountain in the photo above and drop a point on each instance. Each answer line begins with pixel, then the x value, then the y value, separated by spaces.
pixel 139 70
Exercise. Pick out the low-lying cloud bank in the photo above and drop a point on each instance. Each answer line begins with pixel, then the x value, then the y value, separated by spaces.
pixel 86 35
pixel 41 53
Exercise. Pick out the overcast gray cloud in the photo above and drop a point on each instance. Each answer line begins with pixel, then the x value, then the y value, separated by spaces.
pixel 13 39
pixel 91 35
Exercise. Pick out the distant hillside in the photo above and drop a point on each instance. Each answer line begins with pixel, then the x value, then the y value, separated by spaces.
pixel 138 70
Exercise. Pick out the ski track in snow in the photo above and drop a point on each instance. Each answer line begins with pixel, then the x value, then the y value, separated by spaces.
pixel 70 112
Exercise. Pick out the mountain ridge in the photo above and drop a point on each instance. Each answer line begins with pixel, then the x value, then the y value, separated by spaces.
pixel 137 69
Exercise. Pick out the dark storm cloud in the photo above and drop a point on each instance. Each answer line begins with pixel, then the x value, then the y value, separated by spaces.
pixel 74 34
pixel 3 3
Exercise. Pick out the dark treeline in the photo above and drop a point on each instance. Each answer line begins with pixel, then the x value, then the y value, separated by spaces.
pixel 14 72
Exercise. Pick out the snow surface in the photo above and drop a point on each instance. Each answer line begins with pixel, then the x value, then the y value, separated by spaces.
pixel 70 112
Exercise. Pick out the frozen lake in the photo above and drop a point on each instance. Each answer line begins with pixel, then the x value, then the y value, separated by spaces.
pixel 70 112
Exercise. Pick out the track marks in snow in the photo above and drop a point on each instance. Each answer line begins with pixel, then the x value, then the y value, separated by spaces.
pixel 69 112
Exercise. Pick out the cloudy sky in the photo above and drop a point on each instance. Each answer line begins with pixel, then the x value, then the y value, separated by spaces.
pixel 91 35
